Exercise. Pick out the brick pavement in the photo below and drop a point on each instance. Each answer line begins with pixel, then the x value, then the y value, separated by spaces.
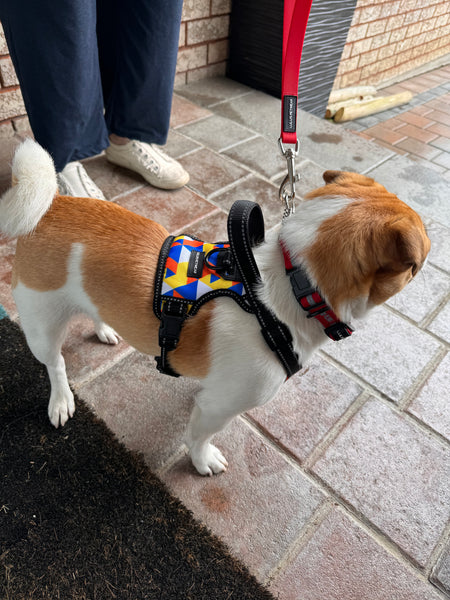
pixel 339 488
pixel 420 129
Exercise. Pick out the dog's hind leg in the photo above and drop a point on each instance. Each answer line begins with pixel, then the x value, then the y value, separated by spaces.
pixel 43 318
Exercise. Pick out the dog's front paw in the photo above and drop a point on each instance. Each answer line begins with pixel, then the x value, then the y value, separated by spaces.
pixel 106 334
pixel 61 407
pixel 208 460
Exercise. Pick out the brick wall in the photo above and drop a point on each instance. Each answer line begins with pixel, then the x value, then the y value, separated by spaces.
pixel 203 53
pixel 12 109
pixel 203 40
pixel 388 38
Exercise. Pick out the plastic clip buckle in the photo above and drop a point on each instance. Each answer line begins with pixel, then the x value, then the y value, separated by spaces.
pixel 169 330
pixel 338 331
pixel 300 284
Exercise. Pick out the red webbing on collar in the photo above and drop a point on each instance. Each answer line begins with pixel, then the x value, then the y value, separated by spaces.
pixel 295 20
pixel 315 305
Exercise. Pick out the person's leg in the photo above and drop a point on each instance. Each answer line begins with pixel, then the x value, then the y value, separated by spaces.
pixel 138 46
pixel 53 46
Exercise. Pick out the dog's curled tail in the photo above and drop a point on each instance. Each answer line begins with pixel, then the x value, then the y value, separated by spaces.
pixel 34 187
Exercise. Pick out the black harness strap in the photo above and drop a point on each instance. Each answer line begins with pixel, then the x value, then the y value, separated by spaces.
pixel 246 229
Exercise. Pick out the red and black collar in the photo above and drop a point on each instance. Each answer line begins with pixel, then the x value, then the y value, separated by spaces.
pixel 312 302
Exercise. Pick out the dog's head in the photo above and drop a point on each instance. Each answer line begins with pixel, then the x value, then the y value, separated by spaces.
pixel 368 245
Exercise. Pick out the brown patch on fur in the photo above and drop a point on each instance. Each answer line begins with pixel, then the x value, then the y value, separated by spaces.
pixel 371 248
pixel 120 254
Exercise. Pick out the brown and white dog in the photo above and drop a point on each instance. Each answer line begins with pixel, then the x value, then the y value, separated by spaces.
pixel 358 243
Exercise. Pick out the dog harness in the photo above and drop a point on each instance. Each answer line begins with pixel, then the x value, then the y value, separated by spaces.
pixel 191 272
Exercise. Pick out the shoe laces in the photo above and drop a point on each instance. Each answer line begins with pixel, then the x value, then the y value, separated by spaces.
pixel 87 182
pixel 144 158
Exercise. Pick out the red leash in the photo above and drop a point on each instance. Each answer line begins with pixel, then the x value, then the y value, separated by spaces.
pixel 296 14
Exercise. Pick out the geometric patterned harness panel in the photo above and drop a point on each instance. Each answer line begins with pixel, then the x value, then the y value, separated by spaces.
pixel 194 268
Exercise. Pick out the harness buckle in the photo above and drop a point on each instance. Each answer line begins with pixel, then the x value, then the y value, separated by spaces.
pixel 338 331
pixel 170 329
pixel 301 286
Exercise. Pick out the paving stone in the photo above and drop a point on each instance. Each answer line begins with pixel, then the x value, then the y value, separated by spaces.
pixel 383 352
pixel 341 561
pixel 431 405
pixel 440 245
pixel 387 132
pixel 210 172
pixel 256 110
pixel 422 295
pixel 212 91
pixel 419 148
pixel 421 109
pixel 443 159
pixel 333 147
pixel 212 228
pixel 184 112
pixel 440 129
pixel 440 117
pixel 440 324
pixel 175 210
pixel 417 133
pixel 423 189
pixel 415 119
pixel 260 155
pixel 85 354
pixel 441 573
pixel 306 407
pixel 424 162
pixel 147 411
pixel 366 122
pixel 258 507
pixel 216 132
pixel 179 145
pixel 257 190
pixel 354 125
pixel 442 142
pixel 114 181
pixel 394 474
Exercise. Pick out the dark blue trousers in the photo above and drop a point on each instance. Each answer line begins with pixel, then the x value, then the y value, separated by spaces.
pixel 88 68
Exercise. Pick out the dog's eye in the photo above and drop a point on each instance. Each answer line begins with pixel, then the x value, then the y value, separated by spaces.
pixel 413 268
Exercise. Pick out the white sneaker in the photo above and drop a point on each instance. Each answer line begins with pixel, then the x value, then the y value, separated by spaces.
pixel 74 181
pixel 150 161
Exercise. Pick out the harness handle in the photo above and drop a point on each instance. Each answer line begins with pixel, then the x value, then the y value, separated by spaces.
pixel 246 230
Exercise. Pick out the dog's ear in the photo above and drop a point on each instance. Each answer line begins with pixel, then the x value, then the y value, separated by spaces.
pixel 402 249
pixel 412 245
pixel 331 176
